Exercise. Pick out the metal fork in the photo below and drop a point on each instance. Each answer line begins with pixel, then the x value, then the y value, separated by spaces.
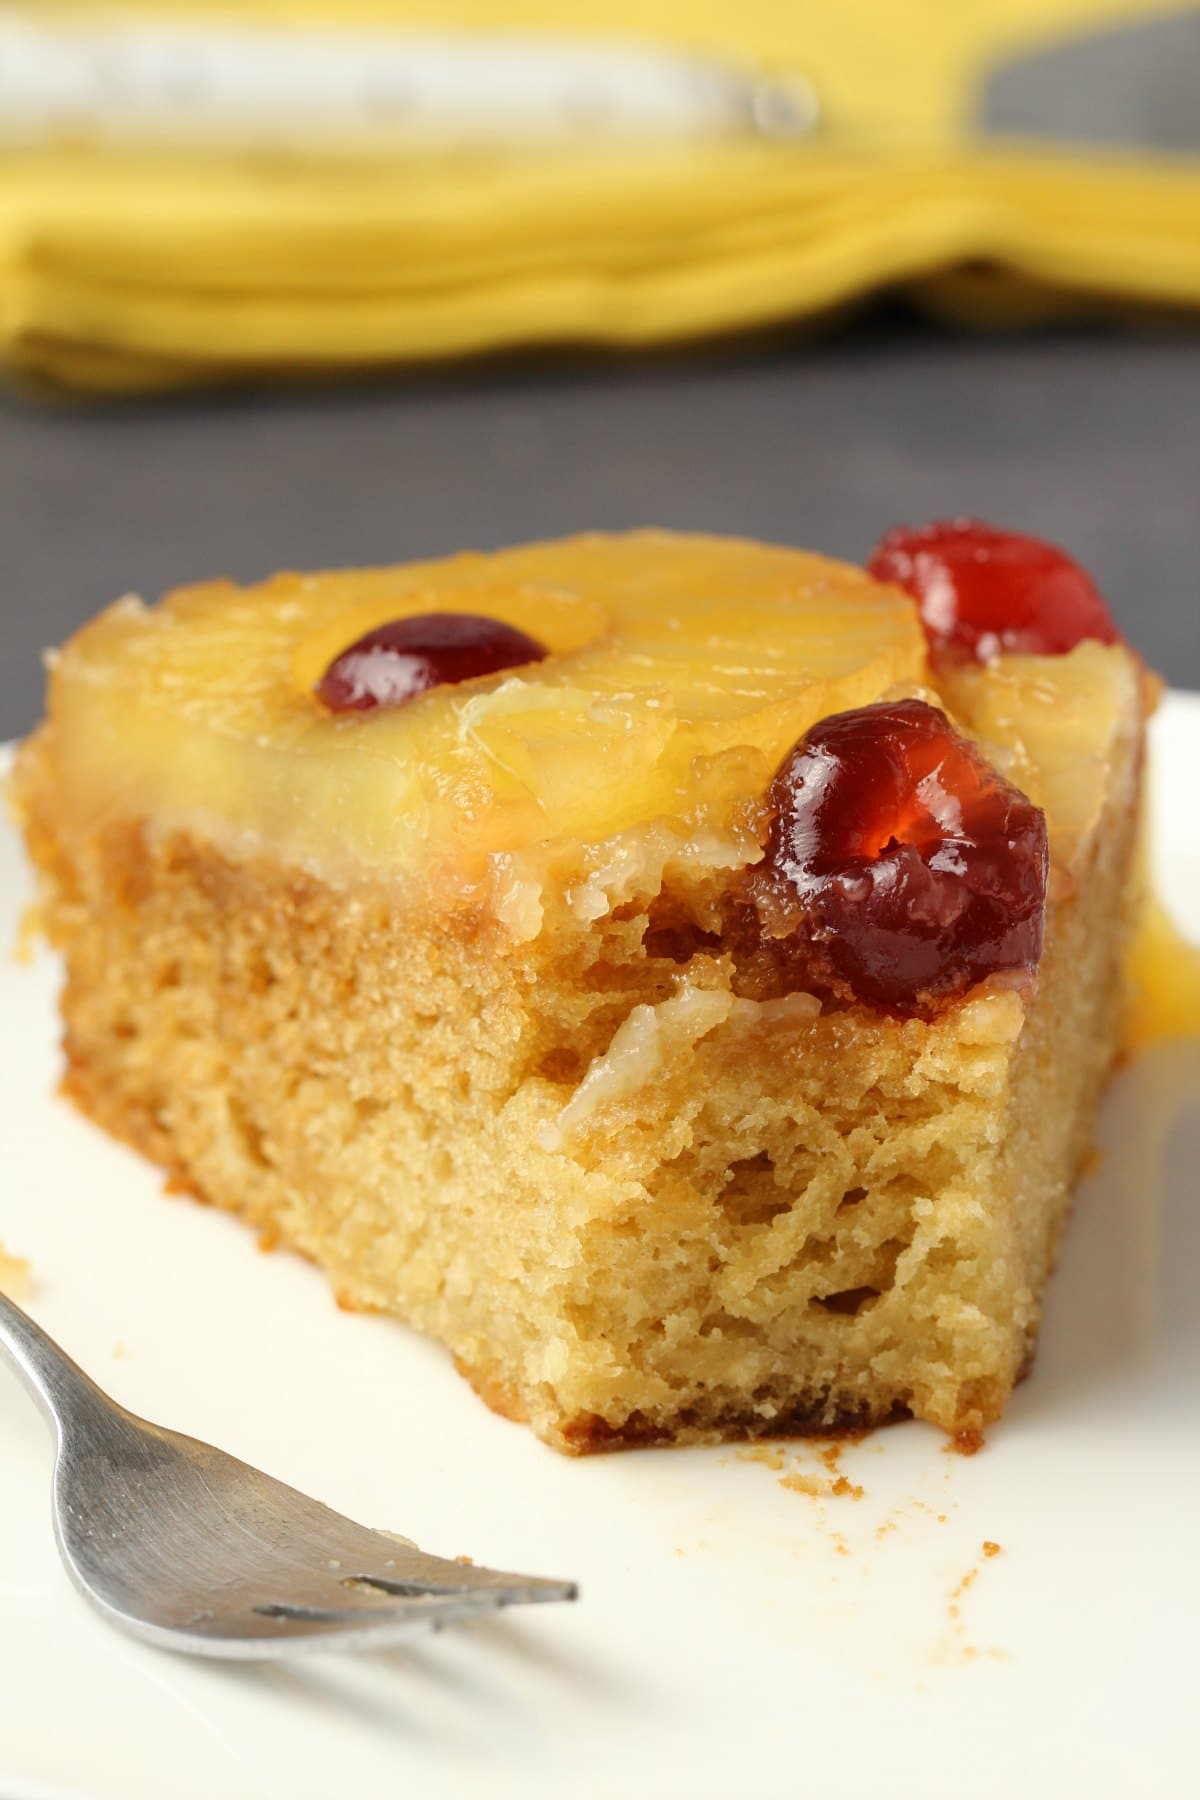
pixel 193 1550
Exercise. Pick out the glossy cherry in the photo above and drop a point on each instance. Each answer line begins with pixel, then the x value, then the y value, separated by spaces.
pixel 397 661
pixel 982 591
pixel 900 867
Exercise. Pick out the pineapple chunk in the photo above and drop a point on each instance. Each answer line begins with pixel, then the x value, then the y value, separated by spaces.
pixel 1063 724
pixel 681 669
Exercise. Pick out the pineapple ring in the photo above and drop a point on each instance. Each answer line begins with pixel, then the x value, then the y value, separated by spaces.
pixel 563 622
pixel 682 669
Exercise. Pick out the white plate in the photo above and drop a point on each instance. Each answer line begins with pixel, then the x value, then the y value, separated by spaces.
pixel 735 1637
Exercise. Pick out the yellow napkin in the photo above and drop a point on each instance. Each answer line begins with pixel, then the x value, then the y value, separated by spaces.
pixel 124 269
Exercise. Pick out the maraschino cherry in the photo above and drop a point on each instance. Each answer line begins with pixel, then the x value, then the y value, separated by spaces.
pixel 395 662
pixel 900 867
pixel 981 590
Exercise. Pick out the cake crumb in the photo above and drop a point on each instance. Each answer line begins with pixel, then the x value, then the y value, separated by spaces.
pixel 957 1645
pixel 30 933
pixel 821 1486
pixel 770 1454
pixel 968 1580
pixel 967 1442
pixel 119 1350
pixel 16 1275
pixel 799 1483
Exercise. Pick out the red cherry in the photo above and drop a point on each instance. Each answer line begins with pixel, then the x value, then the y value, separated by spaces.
pixel 982 590
pixel 900 867
pixel 397 661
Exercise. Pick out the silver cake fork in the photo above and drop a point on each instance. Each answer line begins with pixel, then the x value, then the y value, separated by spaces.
pixel 191 1549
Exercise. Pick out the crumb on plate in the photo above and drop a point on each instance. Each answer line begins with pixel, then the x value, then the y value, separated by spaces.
pixel 16 1275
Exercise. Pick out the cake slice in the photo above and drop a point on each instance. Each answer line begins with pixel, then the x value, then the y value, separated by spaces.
pixel 636 961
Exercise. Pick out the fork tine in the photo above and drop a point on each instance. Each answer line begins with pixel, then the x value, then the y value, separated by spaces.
pixel 368 1558
pixel 483 1585
pixel 271 1631
pixel 414 1572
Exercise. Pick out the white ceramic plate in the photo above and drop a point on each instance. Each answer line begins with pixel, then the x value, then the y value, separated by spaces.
pixel 735 1636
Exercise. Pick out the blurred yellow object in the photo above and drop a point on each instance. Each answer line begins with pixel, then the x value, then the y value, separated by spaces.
pixel 1164 976
pixel 126 266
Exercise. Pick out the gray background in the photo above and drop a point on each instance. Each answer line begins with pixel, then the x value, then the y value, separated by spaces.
pixel 1088 437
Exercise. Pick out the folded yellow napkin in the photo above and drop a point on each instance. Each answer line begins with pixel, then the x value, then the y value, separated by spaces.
pixel 130 263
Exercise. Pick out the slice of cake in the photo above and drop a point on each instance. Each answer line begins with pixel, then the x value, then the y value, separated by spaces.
pixel 635 961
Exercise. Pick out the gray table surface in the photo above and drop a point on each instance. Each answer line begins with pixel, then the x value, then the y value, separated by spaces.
pixel 1087 437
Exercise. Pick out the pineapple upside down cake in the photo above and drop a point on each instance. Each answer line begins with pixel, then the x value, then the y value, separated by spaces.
pixel 677 973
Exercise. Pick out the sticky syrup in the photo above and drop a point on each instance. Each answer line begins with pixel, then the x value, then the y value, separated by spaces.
pixel 1164 970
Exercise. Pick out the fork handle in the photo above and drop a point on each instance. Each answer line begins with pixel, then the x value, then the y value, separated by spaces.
pixel 59 1385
